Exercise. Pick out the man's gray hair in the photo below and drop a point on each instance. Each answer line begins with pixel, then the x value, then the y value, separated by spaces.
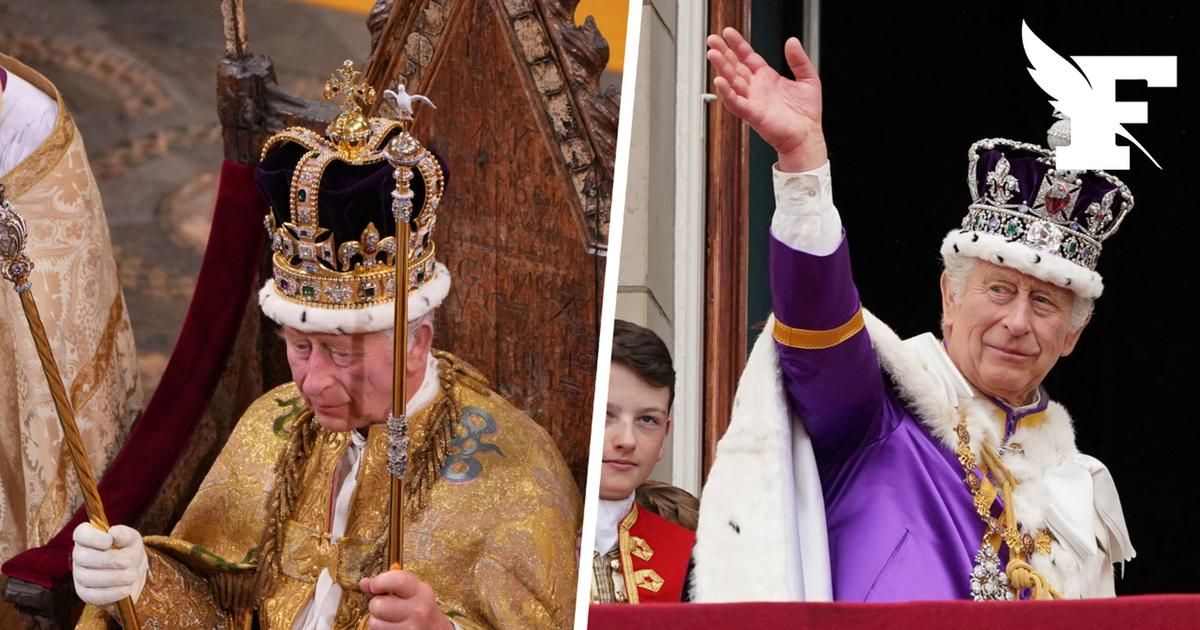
pixel 959 268
pixel 413 326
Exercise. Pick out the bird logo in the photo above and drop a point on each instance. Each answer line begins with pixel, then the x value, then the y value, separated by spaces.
pixel 1086 95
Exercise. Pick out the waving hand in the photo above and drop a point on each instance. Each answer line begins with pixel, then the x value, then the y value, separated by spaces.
pixel 785 112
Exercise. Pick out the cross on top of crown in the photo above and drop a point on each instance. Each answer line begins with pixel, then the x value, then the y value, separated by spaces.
pixel 347 83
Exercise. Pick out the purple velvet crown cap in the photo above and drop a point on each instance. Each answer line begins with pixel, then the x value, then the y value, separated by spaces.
pixel 332 228
pixel 1023 177
pixel 350 195
pixel 1027 214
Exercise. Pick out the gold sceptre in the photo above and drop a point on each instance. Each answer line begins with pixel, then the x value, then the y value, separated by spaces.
pixel 16 266
pixel 403 153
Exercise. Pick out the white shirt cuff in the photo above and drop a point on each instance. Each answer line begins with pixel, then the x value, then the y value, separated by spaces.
pixel 805 218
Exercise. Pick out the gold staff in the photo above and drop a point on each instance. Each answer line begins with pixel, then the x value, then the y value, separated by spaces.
pixel 16 266
pixel 403 153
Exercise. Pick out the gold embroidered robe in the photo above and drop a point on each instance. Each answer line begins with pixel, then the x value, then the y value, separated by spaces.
pixel 495 540
pixel 79 297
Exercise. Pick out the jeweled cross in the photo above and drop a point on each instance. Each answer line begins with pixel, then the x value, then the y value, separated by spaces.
pixel 347 83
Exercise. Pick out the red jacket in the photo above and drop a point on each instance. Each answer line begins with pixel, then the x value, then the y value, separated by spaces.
pixel 654 556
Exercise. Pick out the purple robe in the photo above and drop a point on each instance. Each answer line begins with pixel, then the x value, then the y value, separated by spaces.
pixel 901 521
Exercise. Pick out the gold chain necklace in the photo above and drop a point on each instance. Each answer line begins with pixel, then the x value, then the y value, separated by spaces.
pixel 988 582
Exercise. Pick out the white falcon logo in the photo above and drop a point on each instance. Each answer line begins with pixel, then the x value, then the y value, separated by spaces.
pixel 1088 99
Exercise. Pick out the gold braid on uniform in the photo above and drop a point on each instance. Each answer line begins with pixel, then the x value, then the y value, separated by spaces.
pixel 289 473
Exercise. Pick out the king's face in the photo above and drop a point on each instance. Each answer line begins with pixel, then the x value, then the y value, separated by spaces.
pixel 1007 330
pixel 345 379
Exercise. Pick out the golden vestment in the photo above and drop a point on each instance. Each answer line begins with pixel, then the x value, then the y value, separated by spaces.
pixel 78 294
pixel 494 535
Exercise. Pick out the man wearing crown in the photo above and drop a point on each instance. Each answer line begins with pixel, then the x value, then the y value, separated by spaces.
pixel 289 528
pixel 862 467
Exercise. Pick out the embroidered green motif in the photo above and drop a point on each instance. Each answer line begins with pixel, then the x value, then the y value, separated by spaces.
pixel 292 406
pixel 214 559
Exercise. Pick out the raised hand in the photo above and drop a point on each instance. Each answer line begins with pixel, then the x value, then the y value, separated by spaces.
pixel 785 112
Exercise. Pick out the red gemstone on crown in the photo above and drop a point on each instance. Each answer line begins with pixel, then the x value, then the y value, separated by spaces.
pixel 1055 205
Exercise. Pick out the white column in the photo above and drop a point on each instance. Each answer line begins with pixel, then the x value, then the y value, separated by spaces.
pixel 690 86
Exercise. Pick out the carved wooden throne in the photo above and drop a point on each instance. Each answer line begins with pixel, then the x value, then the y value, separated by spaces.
pixel 529 140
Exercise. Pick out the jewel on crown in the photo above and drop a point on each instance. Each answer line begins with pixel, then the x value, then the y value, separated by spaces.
pixel 1019 195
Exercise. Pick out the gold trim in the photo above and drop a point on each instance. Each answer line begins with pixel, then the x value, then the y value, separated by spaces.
pixel 641 548
pixel 310 169
pixel 88 379
pixel 648 579
pixel 313 141
pixel 51 151
pixel 1031 421
pixel 350 284
pixel 626 561
pixel 817 339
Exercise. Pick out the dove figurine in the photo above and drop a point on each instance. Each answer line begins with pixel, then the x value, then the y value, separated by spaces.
pixel 404 101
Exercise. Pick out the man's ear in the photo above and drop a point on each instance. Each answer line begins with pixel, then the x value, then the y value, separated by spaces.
pixel 421 345
pixel 1073 337
pixel 949 306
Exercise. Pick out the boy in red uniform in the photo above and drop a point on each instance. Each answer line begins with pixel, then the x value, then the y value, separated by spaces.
pixel 644 530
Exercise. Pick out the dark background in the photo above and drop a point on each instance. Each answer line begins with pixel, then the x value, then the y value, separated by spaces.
pixel 908 88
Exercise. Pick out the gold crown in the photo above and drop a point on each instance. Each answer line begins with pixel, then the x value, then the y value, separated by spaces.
pixel 311 265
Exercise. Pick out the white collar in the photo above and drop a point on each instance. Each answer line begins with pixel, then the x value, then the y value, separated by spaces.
pixel 608 516
pixel 27 118
pixel 932 352
pixel 933 355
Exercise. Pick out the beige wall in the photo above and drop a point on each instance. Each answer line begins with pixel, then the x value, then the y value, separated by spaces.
pixel 645 292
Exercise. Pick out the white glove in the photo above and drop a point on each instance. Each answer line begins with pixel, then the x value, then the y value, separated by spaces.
pixel 108 566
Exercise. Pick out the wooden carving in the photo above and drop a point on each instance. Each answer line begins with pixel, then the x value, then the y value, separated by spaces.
pixel 560 62
pixel 529 139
